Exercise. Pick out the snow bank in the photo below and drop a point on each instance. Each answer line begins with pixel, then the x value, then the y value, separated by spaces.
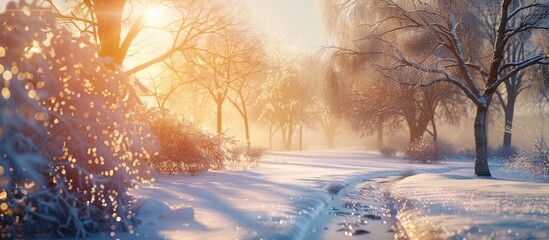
pixel 458 205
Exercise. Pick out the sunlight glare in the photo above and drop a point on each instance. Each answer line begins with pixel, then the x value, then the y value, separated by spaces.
pixel 152 15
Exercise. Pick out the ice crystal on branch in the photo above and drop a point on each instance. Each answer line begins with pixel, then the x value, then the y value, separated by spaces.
pixel 533 161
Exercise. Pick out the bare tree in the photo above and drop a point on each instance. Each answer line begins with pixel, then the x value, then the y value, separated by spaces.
pixel 278 98
pixel 248 74
pixel 450 53
pixel 266 104
pixel 516 49
pixel 313 108
pixel 517 84
pixel 330 123
pixel 372 105
pixel 224 65
pixel 286 100
pixel 104 20
pixel 164 87
pixel 541 74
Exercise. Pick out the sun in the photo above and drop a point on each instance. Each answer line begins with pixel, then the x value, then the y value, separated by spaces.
pixel 152 15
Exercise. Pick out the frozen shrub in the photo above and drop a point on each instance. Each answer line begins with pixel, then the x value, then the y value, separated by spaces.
pixel 235 155
pixel 254 154
pixel 244 156
pixel 388 152
pixel 534 162
pixel 69 149
pixel 423 150
pixel 184 147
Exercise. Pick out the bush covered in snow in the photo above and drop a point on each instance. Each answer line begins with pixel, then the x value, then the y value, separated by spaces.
pixel 183 146
pixel 426 150
pixel 69 149
pixel 534 161
pixel 423 150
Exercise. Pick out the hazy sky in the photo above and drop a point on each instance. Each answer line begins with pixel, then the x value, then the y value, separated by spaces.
pixel 299 20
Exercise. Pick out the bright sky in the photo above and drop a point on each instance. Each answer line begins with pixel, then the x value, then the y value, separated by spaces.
pixel 299 20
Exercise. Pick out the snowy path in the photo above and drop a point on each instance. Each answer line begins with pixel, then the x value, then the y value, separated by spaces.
pixel 358 210
pixel 277 200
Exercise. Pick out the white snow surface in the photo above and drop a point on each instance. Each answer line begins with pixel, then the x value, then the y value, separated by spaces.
pixel 286 197
pixel 458 205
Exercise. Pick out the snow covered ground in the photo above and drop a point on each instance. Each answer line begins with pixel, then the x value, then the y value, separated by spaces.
pixel 457 205
pixel 287 197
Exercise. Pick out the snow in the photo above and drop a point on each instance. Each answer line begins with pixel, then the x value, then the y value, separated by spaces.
pixel 458 205
pixel 146 206
pixel 186 214
pixel 289 196
pixel 361 211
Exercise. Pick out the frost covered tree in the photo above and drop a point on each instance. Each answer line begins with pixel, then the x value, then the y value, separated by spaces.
pixel 328 110
pixel 524 82
pixel 69 148
pixel 450 52
pixel 286 101
pixel 507 97
pixel 372 103
pixel 542 87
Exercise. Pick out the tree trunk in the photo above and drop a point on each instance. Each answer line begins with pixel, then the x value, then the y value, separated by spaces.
pixel 247 132
pixel 219 118
pixel 509 115
pixel 435 139
pixel 417 121
pixel 417 126
pixel 283 133
pixel 380 136
pixel 507 134
pixel 289 138
pixel 109 25
pixel 330 129
pixel 301 137
pixel 481 143
pixel 271 126
pixel 416 134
